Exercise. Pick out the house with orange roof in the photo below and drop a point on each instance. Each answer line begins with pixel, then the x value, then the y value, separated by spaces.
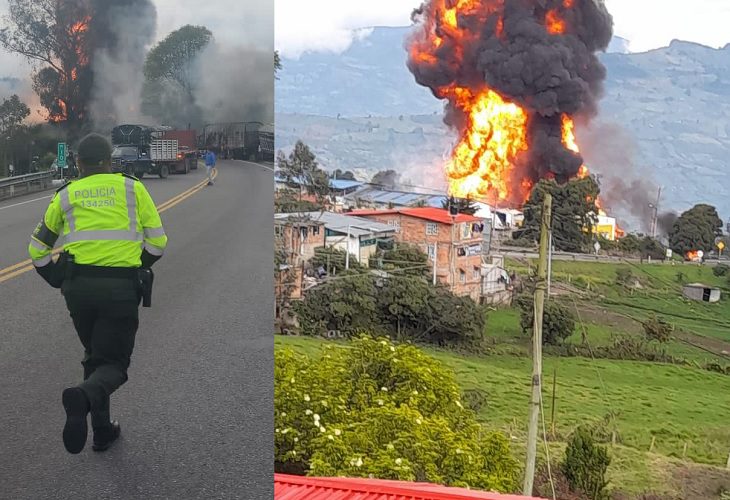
pixel 454 243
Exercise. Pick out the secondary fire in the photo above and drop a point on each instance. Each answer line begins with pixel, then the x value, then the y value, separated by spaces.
pixel 514 75
pixel 693 256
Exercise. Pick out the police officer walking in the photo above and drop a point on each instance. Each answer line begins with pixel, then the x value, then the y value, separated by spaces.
pixel 111 234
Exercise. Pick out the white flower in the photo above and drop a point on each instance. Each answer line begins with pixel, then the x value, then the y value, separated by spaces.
pixel 277 431
pixel 331 437
pixel 392 348
pixel 316 417
pixel 322 429
pixel 308 412
pixel 337 432
pixel 415 393
pixel 384 389
pixel 285 431
pixel 398 461
pixel 296 440
pixel 306 397
pixel 359 462
pixel 390 446
pixel 381 402
pixel 283 414
pixel 418 421
pixel 293 380
pixel 384 342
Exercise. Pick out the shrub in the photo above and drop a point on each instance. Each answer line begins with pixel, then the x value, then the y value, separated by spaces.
pixel 624 276
pixel 333 260
pixel 558 322
pixel 585 465
pixel 721 270
pixel 347 305
pixel 407 259
pixel 406 307
pixel 384 410
pixel 656 328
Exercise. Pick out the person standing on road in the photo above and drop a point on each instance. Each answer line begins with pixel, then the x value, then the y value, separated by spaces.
pixel 112 234
pixel 210 161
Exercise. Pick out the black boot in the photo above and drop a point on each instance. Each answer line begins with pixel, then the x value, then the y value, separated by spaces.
pixel 76 429
pixel 105 436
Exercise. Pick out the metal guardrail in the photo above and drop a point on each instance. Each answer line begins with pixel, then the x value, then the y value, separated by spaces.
pixel 25 184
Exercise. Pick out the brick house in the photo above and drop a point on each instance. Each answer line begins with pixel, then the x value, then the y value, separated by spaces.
pixel 295 240
pixel 455 241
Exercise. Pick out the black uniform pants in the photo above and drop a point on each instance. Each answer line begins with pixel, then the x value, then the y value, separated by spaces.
pixel 106 316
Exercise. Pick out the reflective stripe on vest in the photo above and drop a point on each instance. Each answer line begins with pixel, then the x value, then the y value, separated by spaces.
pixel 131 234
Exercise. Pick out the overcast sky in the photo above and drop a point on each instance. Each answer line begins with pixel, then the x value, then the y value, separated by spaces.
pixel 328 24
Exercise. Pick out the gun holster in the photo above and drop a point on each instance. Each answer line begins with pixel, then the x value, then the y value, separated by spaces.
pixel 146 278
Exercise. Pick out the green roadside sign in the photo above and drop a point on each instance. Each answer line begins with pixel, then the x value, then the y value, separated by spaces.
pixel 61 155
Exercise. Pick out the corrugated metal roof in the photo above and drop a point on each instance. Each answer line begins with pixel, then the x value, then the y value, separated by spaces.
pixel 436 201
pixel 358 226
pixel 308 488
pixel 344 184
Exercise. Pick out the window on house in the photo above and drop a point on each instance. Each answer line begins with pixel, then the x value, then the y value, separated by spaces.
pixel 304 232
pixel 477 273
pixel 465 231
pixel 462 276
pixel 278 230
pixel 432 229
pixel 395 224
pixel 315 230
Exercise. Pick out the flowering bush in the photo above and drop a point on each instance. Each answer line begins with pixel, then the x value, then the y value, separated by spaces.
pixel 384 410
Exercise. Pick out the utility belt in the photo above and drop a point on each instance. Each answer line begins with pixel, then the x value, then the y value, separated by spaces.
pixel 143 278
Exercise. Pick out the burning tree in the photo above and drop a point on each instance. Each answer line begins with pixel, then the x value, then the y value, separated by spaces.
pixel 53 34
pixel 515 75
pixel 61 39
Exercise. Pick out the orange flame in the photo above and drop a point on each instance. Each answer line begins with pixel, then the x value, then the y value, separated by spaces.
pixel 554 23
pixel 693 256
pixel 482 162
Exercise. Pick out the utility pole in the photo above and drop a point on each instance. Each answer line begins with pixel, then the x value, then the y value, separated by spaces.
pixel 654 220
pixel 347 249
pixel 435 260
pixel 537 346
pixel 550 263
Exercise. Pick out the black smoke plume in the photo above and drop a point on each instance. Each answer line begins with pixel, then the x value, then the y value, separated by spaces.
pixel 505 45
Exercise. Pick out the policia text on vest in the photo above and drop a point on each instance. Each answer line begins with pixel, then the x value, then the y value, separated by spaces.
pixel 111 234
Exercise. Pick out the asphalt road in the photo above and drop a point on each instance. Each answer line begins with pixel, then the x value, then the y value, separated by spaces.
pixel 197 411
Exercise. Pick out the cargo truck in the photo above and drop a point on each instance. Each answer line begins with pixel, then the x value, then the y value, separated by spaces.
pixel 140 150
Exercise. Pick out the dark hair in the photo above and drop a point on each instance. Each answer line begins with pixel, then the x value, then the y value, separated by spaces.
pixel 94 151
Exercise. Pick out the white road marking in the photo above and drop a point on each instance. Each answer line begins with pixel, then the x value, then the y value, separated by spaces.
pixel 26 202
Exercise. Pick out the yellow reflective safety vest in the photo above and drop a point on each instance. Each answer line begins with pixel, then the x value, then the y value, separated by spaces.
pixel 102 220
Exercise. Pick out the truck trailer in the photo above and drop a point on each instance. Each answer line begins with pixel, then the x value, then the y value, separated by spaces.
pixel 141 150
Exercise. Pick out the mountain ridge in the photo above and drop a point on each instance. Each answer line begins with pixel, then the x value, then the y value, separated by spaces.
pixel 667 111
